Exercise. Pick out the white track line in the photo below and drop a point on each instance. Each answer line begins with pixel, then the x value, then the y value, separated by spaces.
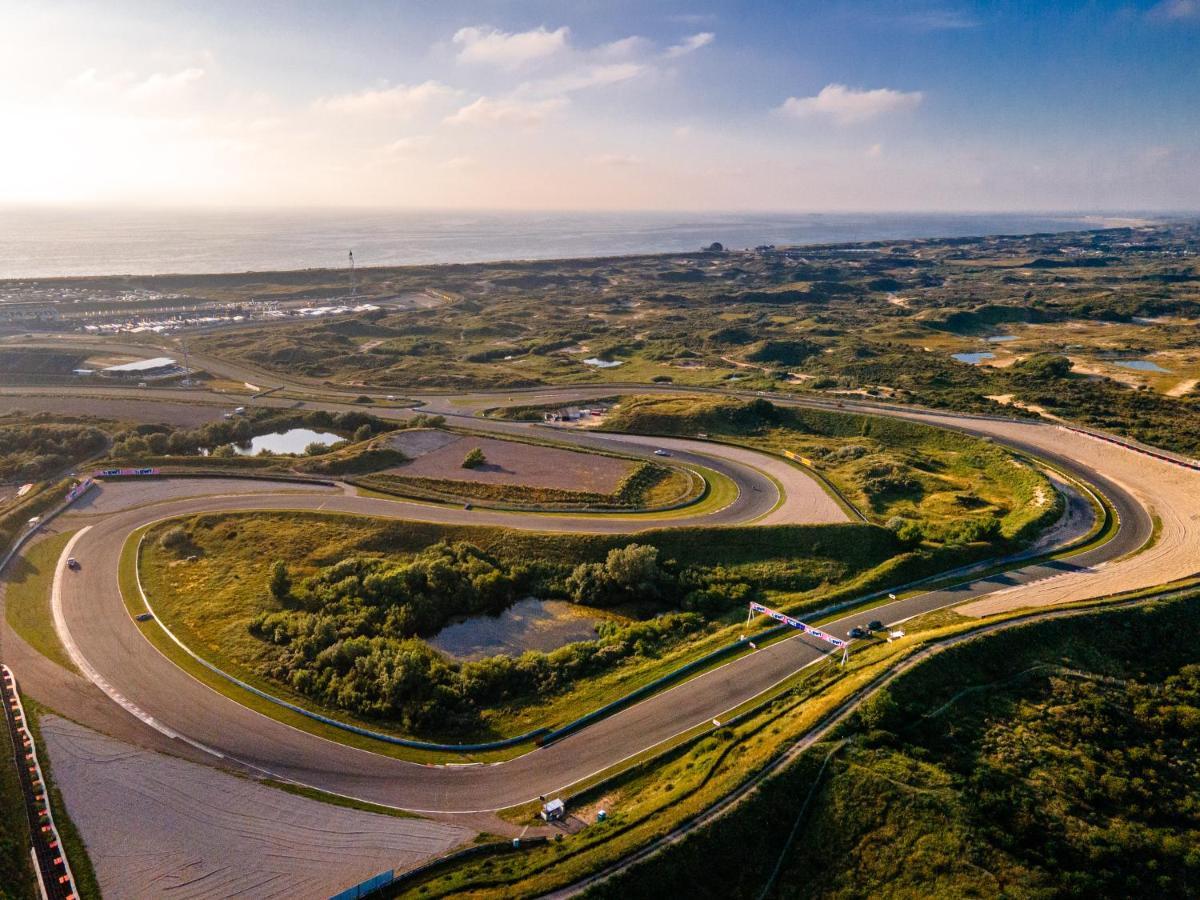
pixel 89 672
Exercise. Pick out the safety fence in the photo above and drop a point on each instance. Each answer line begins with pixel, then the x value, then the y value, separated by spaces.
pixel 50 860
pixel 391 882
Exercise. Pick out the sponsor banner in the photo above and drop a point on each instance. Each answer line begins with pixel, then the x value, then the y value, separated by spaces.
pixel 80 489
pixel 796 623
pixel 114 473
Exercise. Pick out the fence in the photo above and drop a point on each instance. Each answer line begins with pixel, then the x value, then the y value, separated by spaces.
pixel 50 860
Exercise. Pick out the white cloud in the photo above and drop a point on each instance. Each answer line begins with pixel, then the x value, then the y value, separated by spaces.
pixel 689 44
pixel 509 50
pixel 127 86
pixel 875 151
pixel 164 84
pixel 583 78
pixel 1176 9
pixel 848 106
pixel 400 99
pixel 625 47
pixel 460 163
pixel 405 145
pixel 505 111
pixel 614 160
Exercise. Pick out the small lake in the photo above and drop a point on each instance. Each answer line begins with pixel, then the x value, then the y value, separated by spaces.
pixel 973 358
pixel 1141 365
pixel 1001 338
pixel 528 624
pixel 294 440
pixel 599 363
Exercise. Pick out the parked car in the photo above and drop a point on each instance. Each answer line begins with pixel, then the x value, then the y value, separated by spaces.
pixel 73 563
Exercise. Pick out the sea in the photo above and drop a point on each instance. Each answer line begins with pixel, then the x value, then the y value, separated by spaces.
pixel 41 242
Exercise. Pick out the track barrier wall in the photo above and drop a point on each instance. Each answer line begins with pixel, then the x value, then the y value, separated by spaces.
pixel 50 860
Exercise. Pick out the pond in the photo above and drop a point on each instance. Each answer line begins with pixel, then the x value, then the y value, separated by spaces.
pixel 294 440
pixel 973 358
pixel 1001 338
pixel 1142 365
pixel 528 624
pixel 599 363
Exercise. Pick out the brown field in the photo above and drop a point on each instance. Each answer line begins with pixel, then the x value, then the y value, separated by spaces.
pixel 440 455
pixel 184 415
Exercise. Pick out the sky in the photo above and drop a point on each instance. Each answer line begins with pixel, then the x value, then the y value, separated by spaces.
pixel 602 104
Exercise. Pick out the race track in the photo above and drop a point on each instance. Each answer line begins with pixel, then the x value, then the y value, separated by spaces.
pixel 1138 486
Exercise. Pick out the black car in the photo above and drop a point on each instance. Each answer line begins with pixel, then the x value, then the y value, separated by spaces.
pixel 875 625
pixel 856 632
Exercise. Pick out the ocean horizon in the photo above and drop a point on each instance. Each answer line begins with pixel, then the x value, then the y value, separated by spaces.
pixel 46 242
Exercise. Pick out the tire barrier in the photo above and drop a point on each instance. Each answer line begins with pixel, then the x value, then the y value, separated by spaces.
pixel 53 870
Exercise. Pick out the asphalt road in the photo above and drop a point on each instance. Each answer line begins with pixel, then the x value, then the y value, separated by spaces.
pixel 97 619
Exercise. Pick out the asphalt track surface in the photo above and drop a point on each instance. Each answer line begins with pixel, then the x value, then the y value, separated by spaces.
pixel 1137 486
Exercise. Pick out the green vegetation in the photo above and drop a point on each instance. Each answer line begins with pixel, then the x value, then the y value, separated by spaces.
pixel 359 589
pixel 474 459
pixel 30 451
pixel 17 879
pixel 648 486
pixel 156 441
pixel 925 483
pixel 27 597
pixel 1053 760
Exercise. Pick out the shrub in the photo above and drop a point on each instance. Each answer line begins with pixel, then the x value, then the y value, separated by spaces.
pixel 474 459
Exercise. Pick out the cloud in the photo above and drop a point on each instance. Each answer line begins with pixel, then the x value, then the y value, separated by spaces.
pixel 1175 10
pixel 460 163
pixel 875 151
pixel 164 84
pixel 614 160
pixel 585 77
pixel 690 44
pixel 490 46
pixel 126 85
pixel 848 106
pixel 400 99
pixel 628 46
pixel 405 145
pixel 505 111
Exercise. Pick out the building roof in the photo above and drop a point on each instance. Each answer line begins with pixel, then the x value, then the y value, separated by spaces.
pixel 142 365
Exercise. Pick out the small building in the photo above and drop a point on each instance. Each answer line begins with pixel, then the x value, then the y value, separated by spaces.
pixel 554 810
pixel 142 368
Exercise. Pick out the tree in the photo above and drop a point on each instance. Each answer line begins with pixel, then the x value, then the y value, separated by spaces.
pixel 474 459
pixel 281 581
pixel 362 433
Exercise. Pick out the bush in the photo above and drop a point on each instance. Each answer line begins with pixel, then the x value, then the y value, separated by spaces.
pixel 474 459
pixel 175 539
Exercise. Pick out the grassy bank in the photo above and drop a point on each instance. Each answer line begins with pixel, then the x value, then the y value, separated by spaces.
pixel 17 878
pixel 27 597
pixel 940 485
pixel 1056 759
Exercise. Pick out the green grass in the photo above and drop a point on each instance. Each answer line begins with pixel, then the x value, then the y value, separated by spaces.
pixel 17 878
pixel 209 603
pixel 885 467
pixel 27 597
pixel 1017 765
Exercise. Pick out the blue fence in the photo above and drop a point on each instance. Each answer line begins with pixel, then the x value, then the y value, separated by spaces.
pixel 366 888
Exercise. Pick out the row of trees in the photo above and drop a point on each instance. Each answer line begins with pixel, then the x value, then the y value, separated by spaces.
pixel 32 452
pixel 162 440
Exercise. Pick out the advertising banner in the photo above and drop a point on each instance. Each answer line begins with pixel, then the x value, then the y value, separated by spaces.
pixel 796 623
